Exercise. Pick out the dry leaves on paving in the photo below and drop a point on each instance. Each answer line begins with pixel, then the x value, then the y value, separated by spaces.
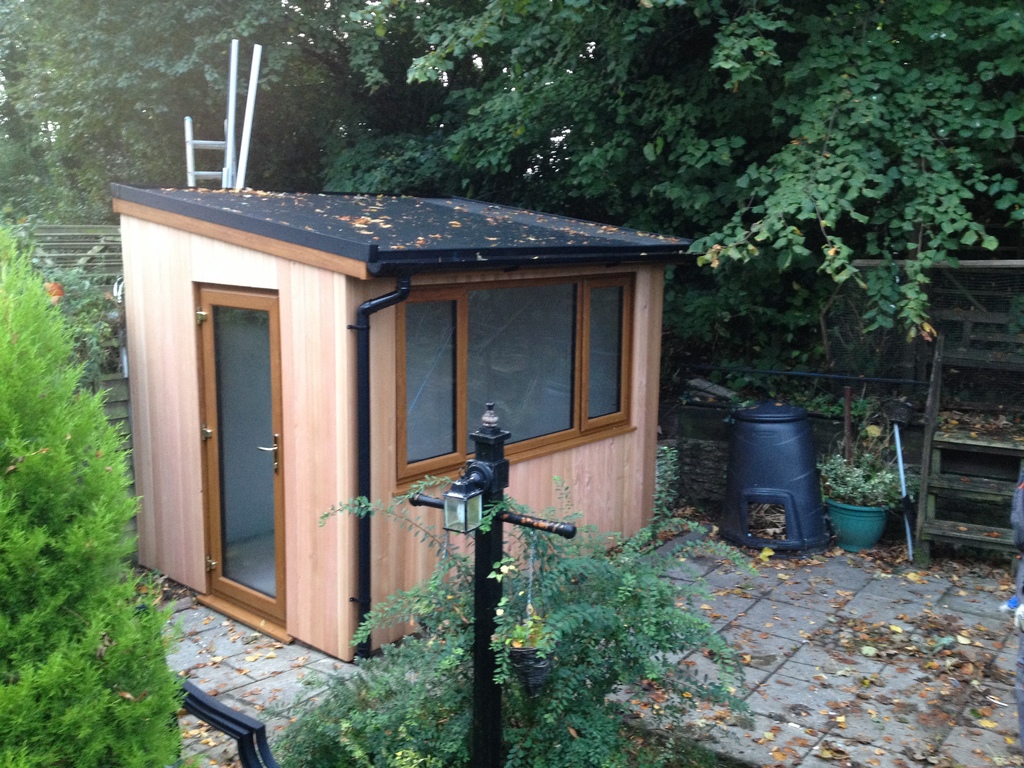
pixel 941 669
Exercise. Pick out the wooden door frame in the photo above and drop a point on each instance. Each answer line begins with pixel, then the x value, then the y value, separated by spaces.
pixel 222 593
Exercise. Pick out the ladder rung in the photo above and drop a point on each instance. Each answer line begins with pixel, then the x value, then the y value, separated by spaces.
pixel 208 144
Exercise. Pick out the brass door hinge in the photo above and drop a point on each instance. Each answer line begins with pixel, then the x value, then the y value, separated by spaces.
pixel 211 564
pixel 205 432
pixel 200 317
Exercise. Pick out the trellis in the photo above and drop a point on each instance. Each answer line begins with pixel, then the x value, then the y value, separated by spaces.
pixel 95 249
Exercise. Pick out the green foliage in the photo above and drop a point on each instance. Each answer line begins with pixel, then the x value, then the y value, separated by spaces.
pixel 792 137
pixel 612 624
pixel 83 677
pixel 866 481
pixel 901 122
pixel 871 477
pixel 96 92
pixel 666 484
pixel 91 315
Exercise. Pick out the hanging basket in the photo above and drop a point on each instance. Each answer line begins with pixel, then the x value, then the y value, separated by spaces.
pixel 530 668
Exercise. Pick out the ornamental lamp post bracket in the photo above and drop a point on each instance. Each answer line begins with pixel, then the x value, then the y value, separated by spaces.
pixel 481 486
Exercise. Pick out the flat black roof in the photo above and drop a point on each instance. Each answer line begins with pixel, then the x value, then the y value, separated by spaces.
pixel 403 235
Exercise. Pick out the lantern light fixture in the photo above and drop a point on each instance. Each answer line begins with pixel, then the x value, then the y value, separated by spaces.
pixel 464 505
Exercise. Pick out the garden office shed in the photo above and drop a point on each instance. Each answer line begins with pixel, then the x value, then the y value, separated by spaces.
pixel 290 351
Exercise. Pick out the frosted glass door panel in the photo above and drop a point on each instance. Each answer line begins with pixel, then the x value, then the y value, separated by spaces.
pixel 245 416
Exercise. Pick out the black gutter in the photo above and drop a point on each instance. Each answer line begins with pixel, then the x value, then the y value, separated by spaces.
pixel 393 262
pixel 362 329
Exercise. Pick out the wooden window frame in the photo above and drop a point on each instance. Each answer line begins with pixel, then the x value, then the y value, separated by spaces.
pixel 584 429
pixel 590 424
pixel 225 594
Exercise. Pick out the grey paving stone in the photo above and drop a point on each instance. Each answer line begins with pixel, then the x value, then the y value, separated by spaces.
pixel 223 642
pixel 705 670
pixel 690 568
pixel 835 662
pixel 330 666
pixel 753 584
pixel 786 699
pixel 819 593
pixel 277 694
pixel 218 678
pixel 764 649
pixel 833 750
pixel 982 604
pixel 899 588
pixel 985 729
pixel 721 607
pixel 270 659
pixel 197 618
pixel 871 609
pixel 784 619
pixel 756 739
pixel 900 712
pixel 1003 668
pixel 808 686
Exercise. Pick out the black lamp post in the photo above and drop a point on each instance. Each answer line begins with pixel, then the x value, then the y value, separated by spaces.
pixel 482 485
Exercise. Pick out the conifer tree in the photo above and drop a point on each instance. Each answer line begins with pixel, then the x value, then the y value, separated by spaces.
pixel 83 675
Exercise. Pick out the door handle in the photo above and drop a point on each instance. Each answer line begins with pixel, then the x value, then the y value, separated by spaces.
pixel 274 449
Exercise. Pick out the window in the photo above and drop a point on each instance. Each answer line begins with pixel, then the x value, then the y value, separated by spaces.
pixel 553 357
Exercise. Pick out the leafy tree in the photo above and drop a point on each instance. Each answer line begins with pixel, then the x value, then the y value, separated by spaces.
pixel 792 136
pixel 83 676
pixel 97 91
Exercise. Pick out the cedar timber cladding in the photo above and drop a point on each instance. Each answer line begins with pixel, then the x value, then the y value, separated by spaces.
pixel 322 264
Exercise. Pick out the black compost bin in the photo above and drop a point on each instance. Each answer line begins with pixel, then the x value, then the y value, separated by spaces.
pixel 771 465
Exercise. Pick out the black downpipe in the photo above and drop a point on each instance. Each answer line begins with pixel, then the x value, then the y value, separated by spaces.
pixel 362 329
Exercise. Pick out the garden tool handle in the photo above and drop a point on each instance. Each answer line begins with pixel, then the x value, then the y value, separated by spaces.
pixel 899 459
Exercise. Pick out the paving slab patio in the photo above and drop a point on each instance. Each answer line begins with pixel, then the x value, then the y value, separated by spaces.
pixel 246 670
pixel 848 661
pixel 851 662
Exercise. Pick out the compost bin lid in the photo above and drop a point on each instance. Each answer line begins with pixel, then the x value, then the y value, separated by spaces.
pixel 772 411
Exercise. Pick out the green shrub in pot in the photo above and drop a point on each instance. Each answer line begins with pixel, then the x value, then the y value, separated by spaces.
pixel 866 481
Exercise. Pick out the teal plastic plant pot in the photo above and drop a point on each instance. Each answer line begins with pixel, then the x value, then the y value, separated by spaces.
pixel 856 528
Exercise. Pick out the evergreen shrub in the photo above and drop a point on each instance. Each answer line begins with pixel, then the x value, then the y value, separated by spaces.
pixel 613 626
pixel 83 676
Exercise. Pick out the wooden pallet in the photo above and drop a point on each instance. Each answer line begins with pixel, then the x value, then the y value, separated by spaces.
pixel 967 479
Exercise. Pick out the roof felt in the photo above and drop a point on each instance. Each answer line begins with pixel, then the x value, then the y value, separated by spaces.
pixel 396 235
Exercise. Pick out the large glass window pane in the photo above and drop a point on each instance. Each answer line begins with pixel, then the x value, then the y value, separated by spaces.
pixel 521 345
pixel 429 379
pixel 245 421
pixel 604 387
